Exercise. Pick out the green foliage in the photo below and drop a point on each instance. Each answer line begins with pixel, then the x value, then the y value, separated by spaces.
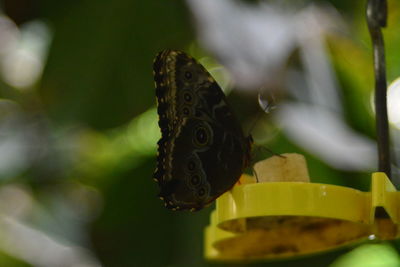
pixel 7 260
pixel 99 68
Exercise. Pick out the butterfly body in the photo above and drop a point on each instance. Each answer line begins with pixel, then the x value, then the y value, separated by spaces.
pixel 202 151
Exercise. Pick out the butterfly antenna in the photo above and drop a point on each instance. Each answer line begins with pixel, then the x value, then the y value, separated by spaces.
pixel 271 152
pixel 255 173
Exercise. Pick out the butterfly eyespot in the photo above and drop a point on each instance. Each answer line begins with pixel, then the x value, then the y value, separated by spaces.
pixel 188 75
pixel 187 97
pixel 201 136
pixel 195 179
pixel 186 111
pixel 201 192
pixel 191 165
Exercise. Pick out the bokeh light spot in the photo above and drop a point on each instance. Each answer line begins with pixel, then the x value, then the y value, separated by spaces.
pixel 393 102
pixel 369 255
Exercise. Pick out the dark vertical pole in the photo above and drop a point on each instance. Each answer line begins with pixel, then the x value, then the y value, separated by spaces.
pixel 376 18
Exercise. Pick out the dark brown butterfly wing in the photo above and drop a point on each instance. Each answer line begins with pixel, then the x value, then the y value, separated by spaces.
pixel 202 151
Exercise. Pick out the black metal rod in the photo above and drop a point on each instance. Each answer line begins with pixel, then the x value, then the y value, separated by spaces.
pixel 376 18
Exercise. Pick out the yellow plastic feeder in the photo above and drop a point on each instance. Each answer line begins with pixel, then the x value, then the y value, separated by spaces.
pixel 284 215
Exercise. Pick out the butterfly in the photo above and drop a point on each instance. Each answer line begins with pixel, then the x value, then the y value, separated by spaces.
pixel 203 150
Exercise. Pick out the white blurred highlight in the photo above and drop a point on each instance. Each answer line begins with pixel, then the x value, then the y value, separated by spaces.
pixel 393 102
pixel 21 68
pixel 255 41
pixel 322 89
pixel 26 242
pixel 393 106
pixel 39 249
pixel 249 40
pixel 22 57
pixel 324 134
pixel 9 35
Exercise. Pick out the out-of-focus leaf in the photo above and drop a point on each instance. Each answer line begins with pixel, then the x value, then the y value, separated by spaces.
pixel 9 261
pixel 370 255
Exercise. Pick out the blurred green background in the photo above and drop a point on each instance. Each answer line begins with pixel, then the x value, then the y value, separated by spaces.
pixel 78 132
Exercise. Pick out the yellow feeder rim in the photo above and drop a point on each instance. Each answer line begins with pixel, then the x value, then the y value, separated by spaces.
pixel 275 220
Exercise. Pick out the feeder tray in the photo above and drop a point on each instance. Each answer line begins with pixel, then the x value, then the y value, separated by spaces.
pixel 284 215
